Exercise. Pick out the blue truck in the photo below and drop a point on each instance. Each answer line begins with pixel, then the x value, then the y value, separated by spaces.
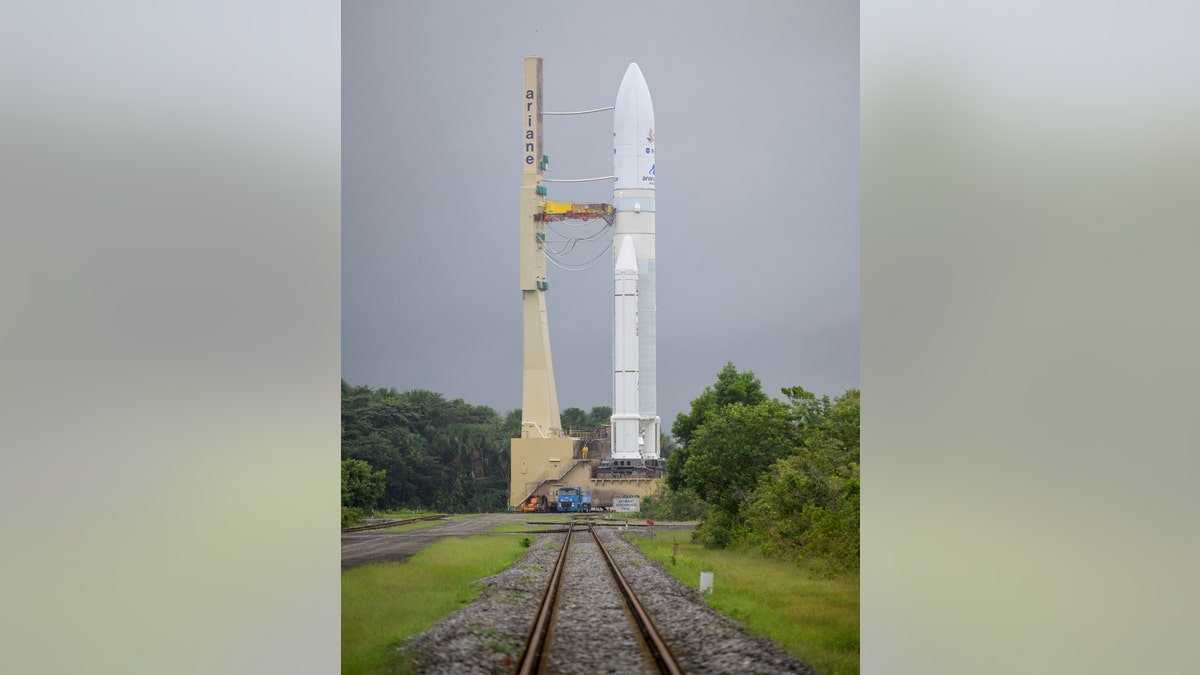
pixel 574 500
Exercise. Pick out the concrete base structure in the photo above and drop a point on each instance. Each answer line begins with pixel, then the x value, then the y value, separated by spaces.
pixel 537 462
pixel 540 466
pixel 605 489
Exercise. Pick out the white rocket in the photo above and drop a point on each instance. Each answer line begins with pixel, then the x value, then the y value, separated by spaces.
pixel 633 229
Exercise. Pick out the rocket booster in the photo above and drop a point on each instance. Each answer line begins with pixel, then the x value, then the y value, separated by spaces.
pixel 633 201
pixel 626 418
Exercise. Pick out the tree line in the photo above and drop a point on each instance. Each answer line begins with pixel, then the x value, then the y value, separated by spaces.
pixel 418 450
pixel 434 453
pixel 781 476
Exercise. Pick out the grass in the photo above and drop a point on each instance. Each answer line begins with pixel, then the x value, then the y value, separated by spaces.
pixel 386 602
pixel 497 647
pixel 403 514
pixel 815 620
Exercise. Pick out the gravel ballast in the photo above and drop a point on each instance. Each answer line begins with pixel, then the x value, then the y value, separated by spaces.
pixel 592 633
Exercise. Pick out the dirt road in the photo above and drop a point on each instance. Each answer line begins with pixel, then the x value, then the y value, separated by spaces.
pixel 360 548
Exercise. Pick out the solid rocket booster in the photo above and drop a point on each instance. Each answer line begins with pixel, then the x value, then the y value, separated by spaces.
pixel 633 201
pixel 626 417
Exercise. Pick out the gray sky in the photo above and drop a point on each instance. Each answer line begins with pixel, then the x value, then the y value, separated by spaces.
pixel 756 124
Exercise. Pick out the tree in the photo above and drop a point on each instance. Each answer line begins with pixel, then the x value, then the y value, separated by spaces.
pixel 355 401
pixel 600 416
pixel 831 424
pixel 842 425
pixel 512 423
pixel 731 387
pixel 666 445
pixel 434 452
pixel 735 445
pixel 575 419
pixel 807 409
pixel 361 487
pixel 807 505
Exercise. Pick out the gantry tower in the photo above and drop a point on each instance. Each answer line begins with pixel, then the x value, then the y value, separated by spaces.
pixel 543 450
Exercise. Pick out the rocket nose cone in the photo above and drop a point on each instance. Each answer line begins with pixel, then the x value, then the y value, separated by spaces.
pixel 633 81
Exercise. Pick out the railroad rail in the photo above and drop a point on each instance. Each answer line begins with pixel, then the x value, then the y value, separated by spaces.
pixel 390 523
pixel 536 647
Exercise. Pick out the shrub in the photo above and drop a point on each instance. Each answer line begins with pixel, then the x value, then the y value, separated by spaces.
pixel 351 515
pixel 806 509
pixel 668 504
pixel 719 529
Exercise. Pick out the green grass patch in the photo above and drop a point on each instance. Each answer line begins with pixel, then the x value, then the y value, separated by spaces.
pixel 403 514
pixel 814 619
pixel 497 647
pixel 384 603
pixel 549 517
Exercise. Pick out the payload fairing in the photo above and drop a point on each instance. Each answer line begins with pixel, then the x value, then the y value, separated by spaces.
pixel 633 228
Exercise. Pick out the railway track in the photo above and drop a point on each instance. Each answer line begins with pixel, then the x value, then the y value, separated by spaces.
pixel 390 523
pixel 537 655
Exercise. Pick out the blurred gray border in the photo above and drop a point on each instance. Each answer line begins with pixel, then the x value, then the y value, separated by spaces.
pixel 169 271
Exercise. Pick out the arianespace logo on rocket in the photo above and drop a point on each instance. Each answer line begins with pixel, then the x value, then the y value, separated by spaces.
pixel 648 177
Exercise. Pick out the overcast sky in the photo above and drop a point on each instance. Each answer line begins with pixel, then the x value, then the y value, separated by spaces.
pixel 756 128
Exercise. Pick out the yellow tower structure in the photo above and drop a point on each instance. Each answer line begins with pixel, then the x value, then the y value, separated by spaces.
pixel 542 452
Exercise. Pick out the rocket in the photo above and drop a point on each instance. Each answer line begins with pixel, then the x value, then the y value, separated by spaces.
pixel 633 229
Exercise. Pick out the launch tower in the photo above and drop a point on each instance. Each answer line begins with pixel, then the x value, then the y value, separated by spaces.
pixel 542 448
